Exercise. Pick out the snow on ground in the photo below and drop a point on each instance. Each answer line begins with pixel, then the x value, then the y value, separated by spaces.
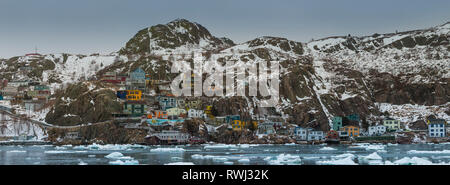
pixel 10 127
pixel 408 113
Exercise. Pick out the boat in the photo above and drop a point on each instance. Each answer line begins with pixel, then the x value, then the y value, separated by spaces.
pixel 332 137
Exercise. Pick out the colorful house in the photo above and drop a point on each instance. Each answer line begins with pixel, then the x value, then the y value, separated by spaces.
pixel 193 104
pixel 265 128
pixel 136 80
pixel 315 135
pixel 377 130
pixel 436 127
pixel 134 95
pixel 230 118
pixel 208 111
pixel 193 113
pixel 391 124
pixel 134 108
pixel 167 102
pixel 353 131
pixel 158 114
pixel 301 133
pixel 238 125
pixel 122 95
pixel 175 111
pixel 337 123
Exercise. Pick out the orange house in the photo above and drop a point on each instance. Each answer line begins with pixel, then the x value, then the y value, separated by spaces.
pixel 160 114
pixel 134 95
pixel 353 131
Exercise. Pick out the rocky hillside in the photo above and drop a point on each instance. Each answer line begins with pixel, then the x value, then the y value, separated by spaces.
pixel 181 36
pixel 82 103
pixel 320 79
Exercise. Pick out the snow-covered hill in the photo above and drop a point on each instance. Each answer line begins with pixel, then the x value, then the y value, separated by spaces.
pixel 334 76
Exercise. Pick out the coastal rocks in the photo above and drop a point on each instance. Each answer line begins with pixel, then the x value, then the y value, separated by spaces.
pixel 107 132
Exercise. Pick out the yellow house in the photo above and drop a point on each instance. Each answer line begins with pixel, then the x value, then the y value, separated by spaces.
pixel 208 111
pixel 175 111
pixel 134 95
pixel 353 131
pixel 238 125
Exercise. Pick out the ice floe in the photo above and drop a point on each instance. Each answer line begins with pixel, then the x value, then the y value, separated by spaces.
pixel 345 161
pixel 168 150
pixel 413 161
pixel 220 146
pixel 126 162
pixel 283 159
pixel 428 152
pixel 327 149
pixel 57 152
pixel 244 160
pixel 16 151
pixel 118 155
pixel 180 163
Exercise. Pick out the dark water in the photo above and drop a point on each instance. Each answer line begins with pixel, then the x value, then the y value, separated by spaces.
pixel 226 154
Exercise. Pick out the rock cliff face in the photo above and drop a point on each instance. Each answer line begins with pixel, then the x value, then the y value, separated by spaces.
pixel 83 103
pixel 329 77
pixel 334 76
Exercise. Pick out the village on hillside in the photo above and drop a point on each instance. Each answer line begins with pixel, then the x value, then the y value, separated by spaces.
pixel 147 103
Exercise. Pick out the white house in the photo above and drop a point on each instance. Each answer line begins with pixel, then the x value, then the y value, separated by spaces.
pixel 266 128
pixel 301 133
pixel 377 130
pixel 193 113
pixel 315 135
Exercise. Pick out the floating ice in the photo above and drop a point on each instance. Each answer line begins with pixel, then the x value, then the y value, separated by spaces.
pixel 413 161
pixel 109 147
pixel 118 155
pixel 228 163
pixel 283 159
pixel 244 160
pixel 168 150
pixel 345 161
pixel 57 152
pixel 220 159
pixel 220 146
pixel 180 163
pixel 17 151
pixel 343 156
pixel 126 162
pixel 373 156
pixel 289 144
pixel 428 152
pixel 327 148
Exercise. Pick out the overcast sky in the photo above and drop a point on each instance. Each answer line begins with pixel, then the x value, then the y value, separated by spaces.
pixel 104 26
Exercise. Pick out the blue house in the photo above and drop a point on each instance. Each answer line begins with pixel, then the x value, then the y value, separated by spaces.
pixel 122 94
pixel 436 127
pixel 337 123
pixel 137 74
pixel 167 102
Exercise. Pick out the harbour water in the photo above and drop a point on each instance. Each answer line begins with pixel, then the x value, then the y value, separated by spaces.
pixel 221 154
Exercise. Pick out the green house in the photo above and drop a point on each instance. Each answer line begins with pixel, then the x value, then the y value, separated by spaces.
pixel 337 123
pixel 134 108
